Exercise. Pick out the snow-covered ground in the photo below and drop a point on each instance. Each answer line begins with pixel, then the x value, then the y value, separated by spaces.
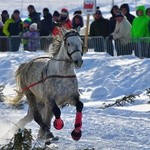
pixel 102 79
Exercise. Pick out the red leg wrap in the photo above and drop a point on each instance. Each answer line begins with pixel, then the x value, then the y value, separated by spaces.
pixel 58 124
pixel 78 121
pixel 77 133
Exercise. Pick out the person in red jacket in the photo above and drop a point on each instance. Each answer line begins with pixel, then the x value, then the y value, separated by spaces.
pixel 63 22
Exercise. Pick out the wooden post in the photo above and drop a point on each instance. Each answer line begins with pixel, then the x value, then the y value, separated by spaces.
pixel 86 34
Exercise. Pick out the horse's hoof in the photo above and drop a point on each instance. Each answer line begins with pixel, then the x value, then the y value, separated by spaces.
pixel 76 134
pixel 58 124
pixel 49 135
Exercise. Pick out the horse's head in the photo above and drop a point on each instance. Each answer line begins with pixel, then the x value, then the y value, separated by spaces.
pixel 73 45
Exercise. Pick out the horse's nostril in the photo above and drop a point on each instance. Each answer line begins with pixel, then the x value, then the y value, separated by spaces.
pixel 76 62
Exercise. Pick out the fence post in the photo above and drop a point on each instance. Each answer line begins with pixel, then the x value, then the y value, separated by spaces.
pixel 139 48
pixel 9 44
pixel 86 34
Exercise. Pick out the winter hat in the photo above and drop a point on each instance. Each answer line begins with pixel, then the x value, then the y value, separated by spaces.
pixel 98 12
pixel 33 26
pixel 78 12
pixel 119 14
pixel 46 10
pixel 27 21
pixel 31 7
pixel 56 13
pixel 126 6
pixel 4 12
pixel 114 7
pixel 64 11
pixel 147 10
pixel 16 11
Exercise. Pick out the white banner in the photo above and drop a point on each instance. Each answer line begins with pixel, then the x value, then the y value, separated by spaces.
pixel 89 6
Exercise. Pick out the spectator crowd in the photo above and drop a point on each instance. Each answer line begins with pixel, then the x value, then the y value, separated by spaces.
pixel 121 27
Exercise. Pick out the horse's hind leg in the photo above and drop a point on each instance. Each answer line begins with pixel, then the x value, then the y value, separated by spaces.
pixel 36 114
pixel 46 119
pixel 28 118
pixel 77 133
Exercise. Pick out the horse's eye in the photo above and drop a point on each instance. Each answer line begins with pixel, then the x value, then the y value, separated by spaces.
pixel 68 44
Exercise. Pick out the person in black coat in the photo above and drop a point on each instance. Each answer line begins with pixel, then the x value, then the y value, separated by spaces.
pixel 112 20
pixel 46 23
pixel 4 46
pixel 126 11
pixel 1 29
pixel 33 15
pixel 46 26
pixel 99 27
pixel 2 41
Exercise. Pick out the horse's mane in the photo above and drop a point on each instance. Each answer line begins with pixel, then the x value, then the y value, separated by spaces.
pixel 60 38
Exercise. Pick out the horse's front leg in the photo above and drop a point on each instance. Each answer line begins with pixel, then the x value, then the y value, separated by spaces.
pixel 77 133
pixel 58 123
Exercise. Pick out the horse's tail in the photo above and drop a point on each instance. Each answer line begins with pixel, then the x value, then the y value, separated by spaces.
pixel 19 91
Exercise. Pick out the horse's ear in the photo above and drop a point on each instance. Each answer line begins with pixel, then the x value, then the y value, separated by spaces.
pixel 64 31
pixel 78 29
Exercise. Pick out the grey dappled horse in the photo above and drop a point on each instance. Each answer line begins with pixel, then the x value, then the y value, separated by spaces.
pixel 51 83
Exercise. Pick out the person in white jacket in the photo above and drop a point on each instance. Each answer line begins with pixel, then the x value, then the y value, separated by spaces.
pixel 122 35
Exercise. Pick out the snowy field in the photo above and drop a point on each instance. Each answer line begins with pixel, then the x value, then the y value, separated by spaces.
pixel 102 79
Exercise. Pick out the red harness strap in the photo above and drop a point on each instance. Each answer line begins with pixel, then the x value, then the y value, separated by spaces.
pixel 51 76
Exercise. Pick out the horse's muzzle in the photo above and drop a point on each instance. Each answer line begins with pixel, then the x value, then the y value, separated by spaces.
pixel 78 63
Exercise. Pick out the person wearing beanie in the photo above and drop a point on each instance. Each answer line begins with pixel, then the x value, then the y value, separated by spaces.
pixel 56 16
pixel 79 12
pixel 99 27
pixel 126 12
pixel 64 15
pixel 64 19
pixel 26 24
pixel 45 29
pixel 33 15
pixel 4 16
pixel 112 20
pixel 77 21
pixel 46 23
pixel 121 35
pixel 4 42
pixel 63 22
pixel 33 37
pixel 140 23
pixel 148 12
pixel 33 27
pixel 13 27
pixel 140 29
pixel 27 21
